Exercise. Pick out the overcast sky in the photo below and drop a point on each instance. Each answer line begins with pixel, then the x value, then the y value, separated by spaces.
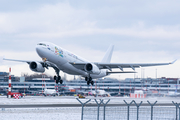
pixel 142 32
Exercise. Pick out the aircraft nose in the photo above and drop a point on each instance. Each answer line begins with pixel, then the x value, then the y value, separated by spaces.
pixel 39 51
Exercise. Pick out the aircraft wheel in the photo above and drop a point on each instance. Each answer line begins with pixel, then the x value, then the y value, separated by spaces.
pixel 92 82
pixel 59 77
pixel 88 82
pixel 90 79
pixel 61 81
pixel 86 78
pixel 54 77
pixel 57 81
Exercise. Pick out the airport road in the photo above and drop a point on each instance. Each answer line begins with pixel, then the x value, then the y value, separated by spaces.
pixel 74 105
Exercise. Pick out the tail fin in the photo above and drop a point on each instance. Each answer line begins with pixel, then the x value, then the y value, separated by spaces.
pixel 108 55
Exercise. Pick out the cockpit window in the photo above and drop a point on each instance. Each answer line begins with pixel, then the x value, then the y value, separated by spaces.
pixel 42 44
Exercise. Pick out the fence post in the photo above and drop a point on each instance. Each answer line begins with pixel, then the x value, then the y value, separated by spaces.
pixel 128 107
pixel 98 107
pixel 152 109
pixel 83 107
pixel 104 115
pixel 137 108
pixel 177 106
pixel 179 111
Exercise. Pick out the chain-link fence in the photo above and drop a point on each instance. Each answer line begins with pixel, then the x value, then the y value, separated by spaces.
pixel 136 111
pixel 95 110
pixel 120 113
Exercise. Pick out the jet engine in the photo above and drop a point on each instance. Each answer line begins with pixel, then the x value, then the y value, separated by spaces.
pixel 92 68
pixel 36 67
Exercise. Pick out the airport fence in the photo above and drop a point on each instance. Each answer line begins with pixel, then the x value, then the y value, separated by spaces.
pixel 129 111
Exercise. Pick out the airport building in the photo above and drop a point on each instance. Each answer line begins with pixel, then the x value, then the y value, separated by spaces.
pixel 35 86
pixel 4 76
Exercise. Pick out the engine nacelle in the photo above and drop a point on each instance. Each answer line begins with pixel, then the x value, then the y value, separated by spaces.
pixel 36 67
pixel 92 68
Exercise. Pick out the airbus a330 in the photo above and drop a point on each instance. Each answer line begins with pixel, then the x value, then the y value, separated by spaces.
pixel 62 60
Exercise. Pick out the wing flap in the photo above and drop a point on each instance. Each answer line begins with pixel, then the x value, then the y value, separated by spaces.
pixel 114 65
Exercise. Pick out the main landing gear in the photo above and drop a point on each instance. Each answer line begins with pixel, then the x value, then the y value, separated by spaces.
pixel 58 79
pixel 89 80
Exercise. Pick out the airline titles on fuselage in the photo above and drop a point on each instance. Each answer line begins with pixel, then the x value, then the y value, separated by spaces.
pixel 60 52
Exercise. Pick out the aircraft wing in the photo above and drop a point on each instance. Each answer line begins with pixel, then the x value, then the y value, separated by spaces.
pixel 111 66
pixel 17 60
pixel 45 64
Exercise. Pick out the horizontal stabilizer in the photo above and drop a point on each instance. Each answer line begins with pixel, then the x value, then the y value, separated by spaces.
pixel 121 72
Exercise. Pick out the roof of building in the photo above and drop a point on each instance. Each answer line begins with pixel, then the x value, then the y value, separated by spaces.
pixel 3 73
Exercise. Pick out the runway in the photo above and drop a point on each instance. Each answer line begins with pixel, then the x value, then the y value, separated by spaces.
pixel 69 108
pixel 74 105
pixel 55 102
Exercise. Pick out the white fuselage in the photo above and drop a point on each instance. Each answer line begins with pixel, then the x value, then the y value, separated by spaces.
pixel 61 58
pixel 49 91
pixel 100 93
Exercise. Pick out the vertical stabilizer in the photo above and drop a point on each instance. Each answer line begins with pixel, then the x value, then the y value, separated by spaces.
pixel 108 55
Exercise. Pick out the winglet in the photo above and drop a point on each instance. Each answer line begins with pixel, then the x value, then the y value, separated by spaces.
pixel 173 62
pixel 4 58
pixel 1 59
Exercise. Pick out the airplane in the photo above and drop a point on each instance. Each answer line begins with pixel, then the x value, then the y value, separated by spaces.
pixel 62 60
pixel 49 92
pixel 46 91
pixel 173 94
pixel 100 93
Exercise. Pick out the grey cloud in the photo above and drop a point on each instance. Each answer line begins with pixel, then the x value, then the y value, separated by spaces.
pixel 24 5
pixel 130 25
pixel 142 31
